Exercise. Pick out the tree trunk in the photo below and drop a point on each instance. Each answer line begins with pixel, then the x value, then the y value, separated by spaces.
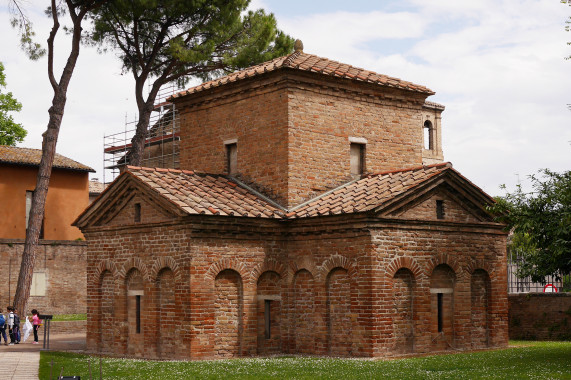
pixel 49 144
pixel 135 157
pixel 38 204
pixel 145 110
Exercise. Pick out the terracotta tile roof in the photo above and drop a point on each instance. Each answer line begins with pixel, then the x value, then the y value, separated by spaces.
pixel 367 193
pixel 96 187
pixel 208 194
pixel 32 157
pixel 435 105
pixel 310 63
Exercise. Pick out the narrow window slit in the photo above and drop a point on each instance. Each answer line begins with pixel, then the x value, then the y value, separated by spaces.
pixel 138 313
pixel 137 212
pixel 440 209
pixel 440 319
pixel 267 318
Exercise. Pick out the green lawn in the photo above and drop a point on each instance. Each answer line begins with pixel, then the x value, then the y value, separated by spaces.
pixel 525 360
pixel 70 317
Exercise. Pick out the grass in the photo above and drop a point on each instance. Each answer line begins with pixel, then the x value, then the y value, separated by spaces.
pixel 70 317
pixel 524 360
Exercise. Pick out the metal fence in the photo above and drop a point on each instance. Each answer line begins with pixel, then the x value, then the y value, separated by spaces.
pixel 526 285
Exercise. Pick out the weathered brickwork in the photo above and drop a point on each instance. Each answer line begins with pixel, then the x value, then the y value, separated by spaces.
pixel 189 266
pixel 426 209
pixel 60 262
pixel 256 119
pixel 331 290
pixel 540 316
pixel 293 131
pixel 321 121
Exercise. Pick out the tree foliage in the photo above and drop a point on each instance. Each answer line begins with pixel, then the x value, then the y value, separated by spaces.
pixel 541 224
pixel 175 40
pixel 10 131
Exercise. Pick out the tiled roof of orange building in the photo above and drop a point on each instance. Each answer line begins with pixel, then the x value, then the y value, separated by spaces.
pixel 367 193
pixel 96 187
pixel 208 194
pixel 311 63
pixel 32 157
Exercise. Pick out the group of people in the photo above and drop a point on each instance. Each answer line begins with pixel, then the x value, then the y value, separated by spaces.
pixel 12 323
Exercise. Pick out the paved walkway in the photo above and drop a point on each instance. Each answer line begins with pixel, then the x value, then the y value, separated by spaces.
pixel 19 365
pixel 21 361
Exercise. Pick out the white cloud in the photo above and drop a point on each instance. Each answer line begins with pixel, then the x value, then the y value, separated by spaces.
pixel 497 66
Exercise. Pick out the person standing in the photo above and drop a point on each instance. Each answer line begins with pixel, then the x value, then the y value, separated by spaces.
pixel 3 328
pixel 36 321
pixel 11 324
pixel 16 327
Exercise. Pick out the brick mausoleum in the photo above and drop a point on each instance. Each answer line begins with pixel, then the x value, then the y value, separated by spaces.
pixel 312 215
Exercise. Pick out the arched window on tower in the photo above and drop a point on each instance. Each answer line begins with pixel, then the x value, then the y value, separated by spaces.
pixel 428 135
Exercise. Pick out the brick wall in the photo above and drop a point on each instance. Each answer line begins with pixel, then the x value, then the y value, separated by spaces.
pixel 442 260
pixel 540 316
pixel 65 327
pixel 293 142
pixel 63 263
pixel 333 288
pixel 324 115
pixel 256 118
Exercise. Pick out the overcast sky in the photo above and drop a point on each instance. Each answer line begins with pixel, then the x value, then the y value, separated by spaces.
pixel 498 67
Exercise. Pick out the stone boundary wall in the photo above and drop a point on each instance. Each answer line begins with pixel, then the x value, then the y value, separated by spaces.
pixel 63 264
pixel 540 316
pixel 66 327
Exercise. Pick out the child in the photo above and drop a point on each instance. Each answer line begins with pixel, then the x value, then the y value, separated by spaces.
pixel 3 328
pixel 16 327
pixel 36 321
pixel 11 324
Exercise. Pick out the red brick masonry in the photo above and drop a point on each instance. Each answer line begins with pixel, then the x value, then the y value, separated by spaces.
pixel 308 247
pixel 540 316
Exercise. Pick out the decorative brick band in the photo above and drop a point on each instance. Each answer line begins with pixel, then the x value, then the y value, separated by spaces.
pixel 474 265
pixel 135 263
pixel 164 262
pixel 270 265
pixel 305 263
pixel 443 258
pixel 336 261
pixel 102 267
pixel 227 263
pixel 404 262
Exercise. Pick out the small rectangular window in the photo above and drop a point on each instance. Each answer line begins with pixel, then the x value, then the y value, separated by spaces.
pixel 440 319
pixel 138 314
pixel 137 212
pixel 231 158
pixel 357 159
pixel 439 209
pixel 267 318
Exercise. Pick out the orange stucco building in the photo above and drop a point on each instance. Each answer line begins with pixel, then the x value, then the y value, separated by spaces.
pixel 68 193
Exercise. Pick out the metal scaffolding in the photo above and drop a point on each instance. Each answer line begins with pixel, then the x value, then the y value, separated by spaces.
pixel 161 142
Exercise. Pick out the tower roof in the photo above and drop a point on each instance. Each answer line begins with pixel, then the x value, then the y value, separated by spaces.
pixel 301 61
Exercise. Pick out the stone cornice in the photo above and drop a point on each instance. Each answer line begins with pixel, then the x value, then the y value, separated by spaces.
pixel 251 228
pixel 291 79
